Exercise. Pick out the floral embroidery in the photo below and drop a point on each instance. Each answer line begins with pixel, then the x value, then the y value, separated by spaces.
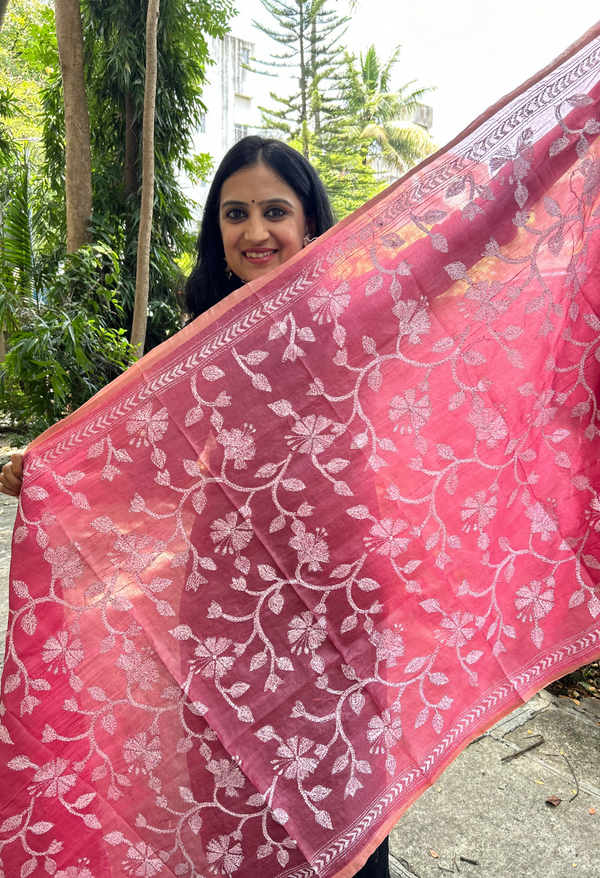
pixel 306 633
pixel 147 428
pixel 239 445
pixel 231 535
pixel 384 537
pixel 292 762
pixel 309 438
pixel 384 731
pixel 223 859
pixel 211 661
pixel 58 651
pixel 50 780
pixel 144 752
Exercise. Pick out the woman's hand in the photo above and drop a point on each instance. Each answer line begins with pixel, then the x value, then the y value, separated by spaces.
pixel 11 477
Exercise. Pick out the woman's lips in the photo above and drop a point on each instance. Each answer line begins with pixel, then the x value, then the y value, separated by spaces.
pixel 259 257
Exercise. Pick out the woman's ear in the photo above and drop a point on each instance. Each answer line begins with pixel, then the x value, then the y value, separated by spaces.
pixel 310 227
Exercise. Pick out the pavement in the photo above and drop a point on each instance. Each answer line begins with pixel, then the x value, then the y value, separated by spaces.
pixel 485 817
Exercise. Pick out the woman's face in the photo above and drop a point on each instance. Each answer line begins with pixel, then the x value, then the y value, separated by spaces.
pixel 262 222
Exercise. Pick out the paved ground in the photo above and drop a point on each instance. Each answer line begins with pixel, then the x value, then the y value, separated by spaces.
pixel 483 810
pixel 495 812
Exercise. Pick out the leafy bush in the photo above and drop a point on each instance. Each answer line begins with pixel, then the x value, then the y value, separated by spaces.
pixel 63 350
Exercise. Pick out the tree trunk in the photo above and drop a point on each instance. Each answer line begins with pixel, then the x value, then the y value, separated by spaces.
pixel 3 8
pixel 131 147
pixel 313 75
pixel 303 102
pixel 142 278
pixel 78 172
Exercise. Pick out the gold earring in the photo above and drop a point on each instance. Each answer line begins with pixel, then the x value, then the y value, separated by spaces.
pixel 308 240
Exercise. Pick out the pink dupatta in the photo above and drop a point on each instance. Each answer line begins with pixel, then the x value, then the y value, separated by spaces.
pixel 271 581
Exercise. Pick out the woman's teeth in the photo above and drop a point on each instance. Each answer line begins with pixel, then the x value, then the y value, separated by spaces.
pixel 252 254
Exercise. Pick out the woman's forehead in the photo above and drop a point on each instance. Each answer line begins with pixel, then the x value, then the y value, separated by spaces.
pixel 256 182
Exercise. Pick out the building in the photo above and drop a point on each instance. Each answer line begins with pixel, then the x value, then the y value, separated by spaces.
pixel 231 111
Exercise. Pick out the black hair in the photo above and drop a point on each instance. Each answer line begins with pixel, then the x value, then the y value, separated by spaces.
pixel 208 283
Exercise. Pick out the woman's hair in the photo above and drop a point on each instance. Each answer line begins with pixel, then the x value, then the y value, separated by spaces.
pixel 208 283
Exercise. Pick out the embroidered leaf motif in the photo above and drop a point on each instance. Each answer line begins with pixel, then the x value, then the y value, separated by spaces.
pixel 212 373
pixel 293 484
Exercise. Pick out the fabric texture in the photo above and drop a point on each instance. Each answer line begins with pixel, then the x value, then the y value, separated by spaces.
pixel 271 581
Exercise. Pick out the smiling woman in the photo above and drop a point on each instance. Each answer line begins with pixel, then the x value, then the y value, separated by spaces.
pixel 262 222
pixel 264 205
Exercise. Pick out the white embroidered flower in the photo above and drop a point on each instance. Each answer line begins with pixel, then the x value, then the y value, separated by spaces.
pixel 459 626
pixel 50 779
pixel 312 548
pixel 389 646
pixel 238 445
pixel 543 521
pixel 534 601
pixel 223 859
pixel 140 669
pixel 384 539
pixel 129 548
pixel 232 536
pixel 306 632
pixel 227 775
pixel 416 411
pixel 482 508
pixel 490 308
pixel 143 750
pixel 309 438
pixel 414 320
pixel 383 732
pixel 593 514
pixel 330 305
pixel 67 565
pixel 147 427
pixel 292 762
pixel 58 651
pixel 211 661
pixel 79 871
pixel 142 861
pixel 490 426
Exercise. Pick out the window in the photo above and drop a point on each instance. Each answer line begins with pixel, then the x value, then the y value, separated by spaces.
pixel 202 124
pixel 245 54
pixel 240 131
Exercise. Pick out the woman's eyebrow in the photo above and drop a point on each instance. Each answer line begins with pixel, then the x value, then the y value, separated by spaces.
pixel 261 203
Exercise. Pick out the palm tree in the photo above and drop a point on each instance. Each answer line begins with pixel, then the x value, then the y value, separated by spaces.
pixel 384 117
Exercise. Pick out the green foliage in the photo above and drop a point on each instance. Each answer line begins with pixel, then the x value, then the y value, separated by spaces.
pixel 309 32
pixel 65 318
pixel 344 116
pixel 382 118
pixel 20 73
pixel 199 167
pixel 62 347
pixel 63 350
pixel 114 37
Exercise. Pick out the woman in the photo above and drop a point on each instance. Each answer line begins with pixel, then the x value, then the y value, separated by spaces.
pixel 265 204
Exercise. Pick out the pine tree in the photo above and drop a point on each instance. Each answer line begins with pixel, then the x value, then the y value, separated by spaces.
pixel 309 32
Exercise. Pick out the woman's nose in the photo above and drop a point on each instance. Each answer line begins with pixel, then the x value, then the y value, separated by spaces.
pixel 256 230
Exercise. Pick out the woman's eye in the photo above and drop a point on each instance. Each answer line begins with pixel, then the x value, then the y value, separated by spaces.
pixel 235 213
pixel 275 212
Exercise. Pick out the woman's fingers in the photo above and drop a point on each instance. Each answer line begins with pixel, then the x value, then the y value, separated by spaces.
pixel 11 477
pixel 17 465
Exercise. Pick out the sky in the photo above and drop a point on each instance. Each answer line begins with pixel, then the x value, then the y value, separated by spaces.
pixel 472 51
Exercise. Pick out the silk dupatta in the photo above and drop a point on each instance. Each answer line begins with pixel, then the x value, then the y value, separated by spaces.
pixel 267 584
